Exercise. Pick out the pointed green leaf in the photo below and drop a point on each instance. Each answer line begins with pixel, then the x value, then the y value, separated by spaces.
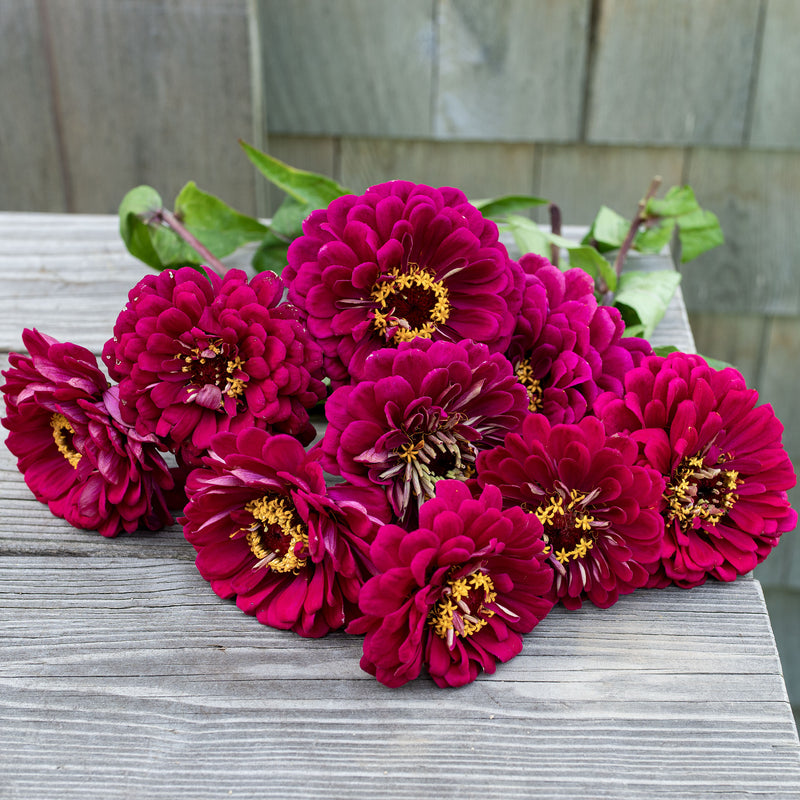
pixel 609 230
pixel 678 200
pixel 656 238
pixel 643 297
pixel 589 260
pixel 714 363
pixel 271 254
pixel 218 226
pixel 528 236
pixel 698 232
pixel 500 208
pixel 307 188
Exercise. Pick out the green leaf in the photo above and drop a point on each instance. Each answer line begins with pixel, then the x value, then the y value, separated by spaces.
pixel 698 231
pixel 656 238
pixel 589 260
pixel 219 227
pixel 528 236
pixel 714 363
pixel 138 205
pixel 677 201
pixel 665 349
pixel 499 208
pixel 609 229
pixel 271 254
pixel 307 188
pixel 643 297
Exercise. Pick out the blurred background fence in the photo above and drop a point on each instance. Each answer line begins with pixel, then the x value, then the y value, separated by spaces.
pixel 578 101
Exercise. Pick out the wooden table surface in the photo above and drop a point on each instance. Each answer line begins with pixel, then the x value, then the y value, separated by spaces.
pixel 122 675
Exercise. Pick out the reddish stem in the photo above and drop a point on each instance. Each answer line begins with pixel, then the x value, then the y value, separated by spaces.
pixel 635 223
pixel 555 227
pixel 168 218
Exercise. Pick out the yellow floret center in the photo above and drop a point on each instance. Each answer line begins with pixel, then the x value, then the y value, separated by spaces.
pixel 62 436
pixel 277 538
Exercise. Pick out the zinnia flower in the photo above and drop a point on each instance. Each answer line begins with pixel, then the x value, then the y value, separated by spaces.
pixel 727 474
pixel 196 355
pixel 422 413
pixel 455 594
pixel 566 348
pixel 72 447
pixel 598 508
pixel 267 530
pixel 398 262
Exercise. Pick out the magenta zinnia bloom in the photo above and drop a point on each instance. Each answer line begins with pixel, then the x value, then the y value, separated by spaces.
pixel 455 594
pixel 267 530
pixel 727 474
pixel 72 447
pixel 598 508
pixel 196 355
pixel 566 348
pixel 398 262
pixel 422 413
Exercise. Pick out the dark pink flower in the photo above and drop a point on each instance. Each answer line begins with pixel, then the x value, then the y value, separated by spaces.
pixel 267 530
pixel 74 450
pixel 455 594
pixel 566 348
pixel 598 508
pixel 422 413
pixel 196 355
pixel 398 262
pixel 727 474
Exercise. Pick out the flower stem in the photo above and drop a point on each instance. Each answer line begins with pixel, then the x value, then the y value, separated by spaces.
pixel 168 218
pixel 635 223
pixel 555 227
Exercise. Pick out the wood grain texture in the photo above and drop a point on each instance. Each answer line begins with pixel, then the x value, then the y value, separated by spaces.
pixel 154 92
pixel 776 108
pixel 141 678
pixel 478 169
pixel 672 73
pixel 581 178
pixel 359 67
pixel 757 270
pixel 31 175
pixel 511 69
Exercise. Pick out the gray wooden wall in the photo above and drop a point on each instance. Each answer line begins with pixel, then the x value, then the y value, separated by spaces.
pixel 580 101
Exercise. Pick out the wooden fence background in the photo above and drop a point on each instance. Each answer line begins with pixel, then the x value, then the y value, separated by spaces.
pixel 579 101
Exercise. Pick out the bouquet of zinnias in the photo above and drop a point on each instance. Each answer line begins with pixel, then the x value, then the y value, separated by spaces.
pixel 494 444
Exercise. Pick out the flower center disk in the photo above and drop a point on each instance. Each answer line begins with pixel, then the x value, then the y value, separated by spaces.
pixel 277 537
pixel 409 303
pixel 62 436
pixel 525 375
pixel 462 608
pixel 215 364
pixel 700 493
pixel 569 528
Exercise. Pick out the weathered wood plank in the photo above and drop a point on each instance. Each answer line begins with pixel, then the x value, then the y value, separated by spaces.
pixel 139 658
pixel 361 67
pixel 776 108
pixel 756 270
pixel 153 92
pixel 511 70
pixel 30 166
pixel 581 178
pixel 672 73
pixel 478 169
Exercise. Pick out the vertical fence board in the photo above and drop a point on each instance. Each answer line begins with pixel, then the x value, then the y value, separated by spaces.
pixel 156 92
pixel 579 179
pixel 776 111
pixel 362 67
pixel 672 72
pixel 30 172
pixel 503 74
pixel 480 170
pixel 734 338
pixel 753 194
